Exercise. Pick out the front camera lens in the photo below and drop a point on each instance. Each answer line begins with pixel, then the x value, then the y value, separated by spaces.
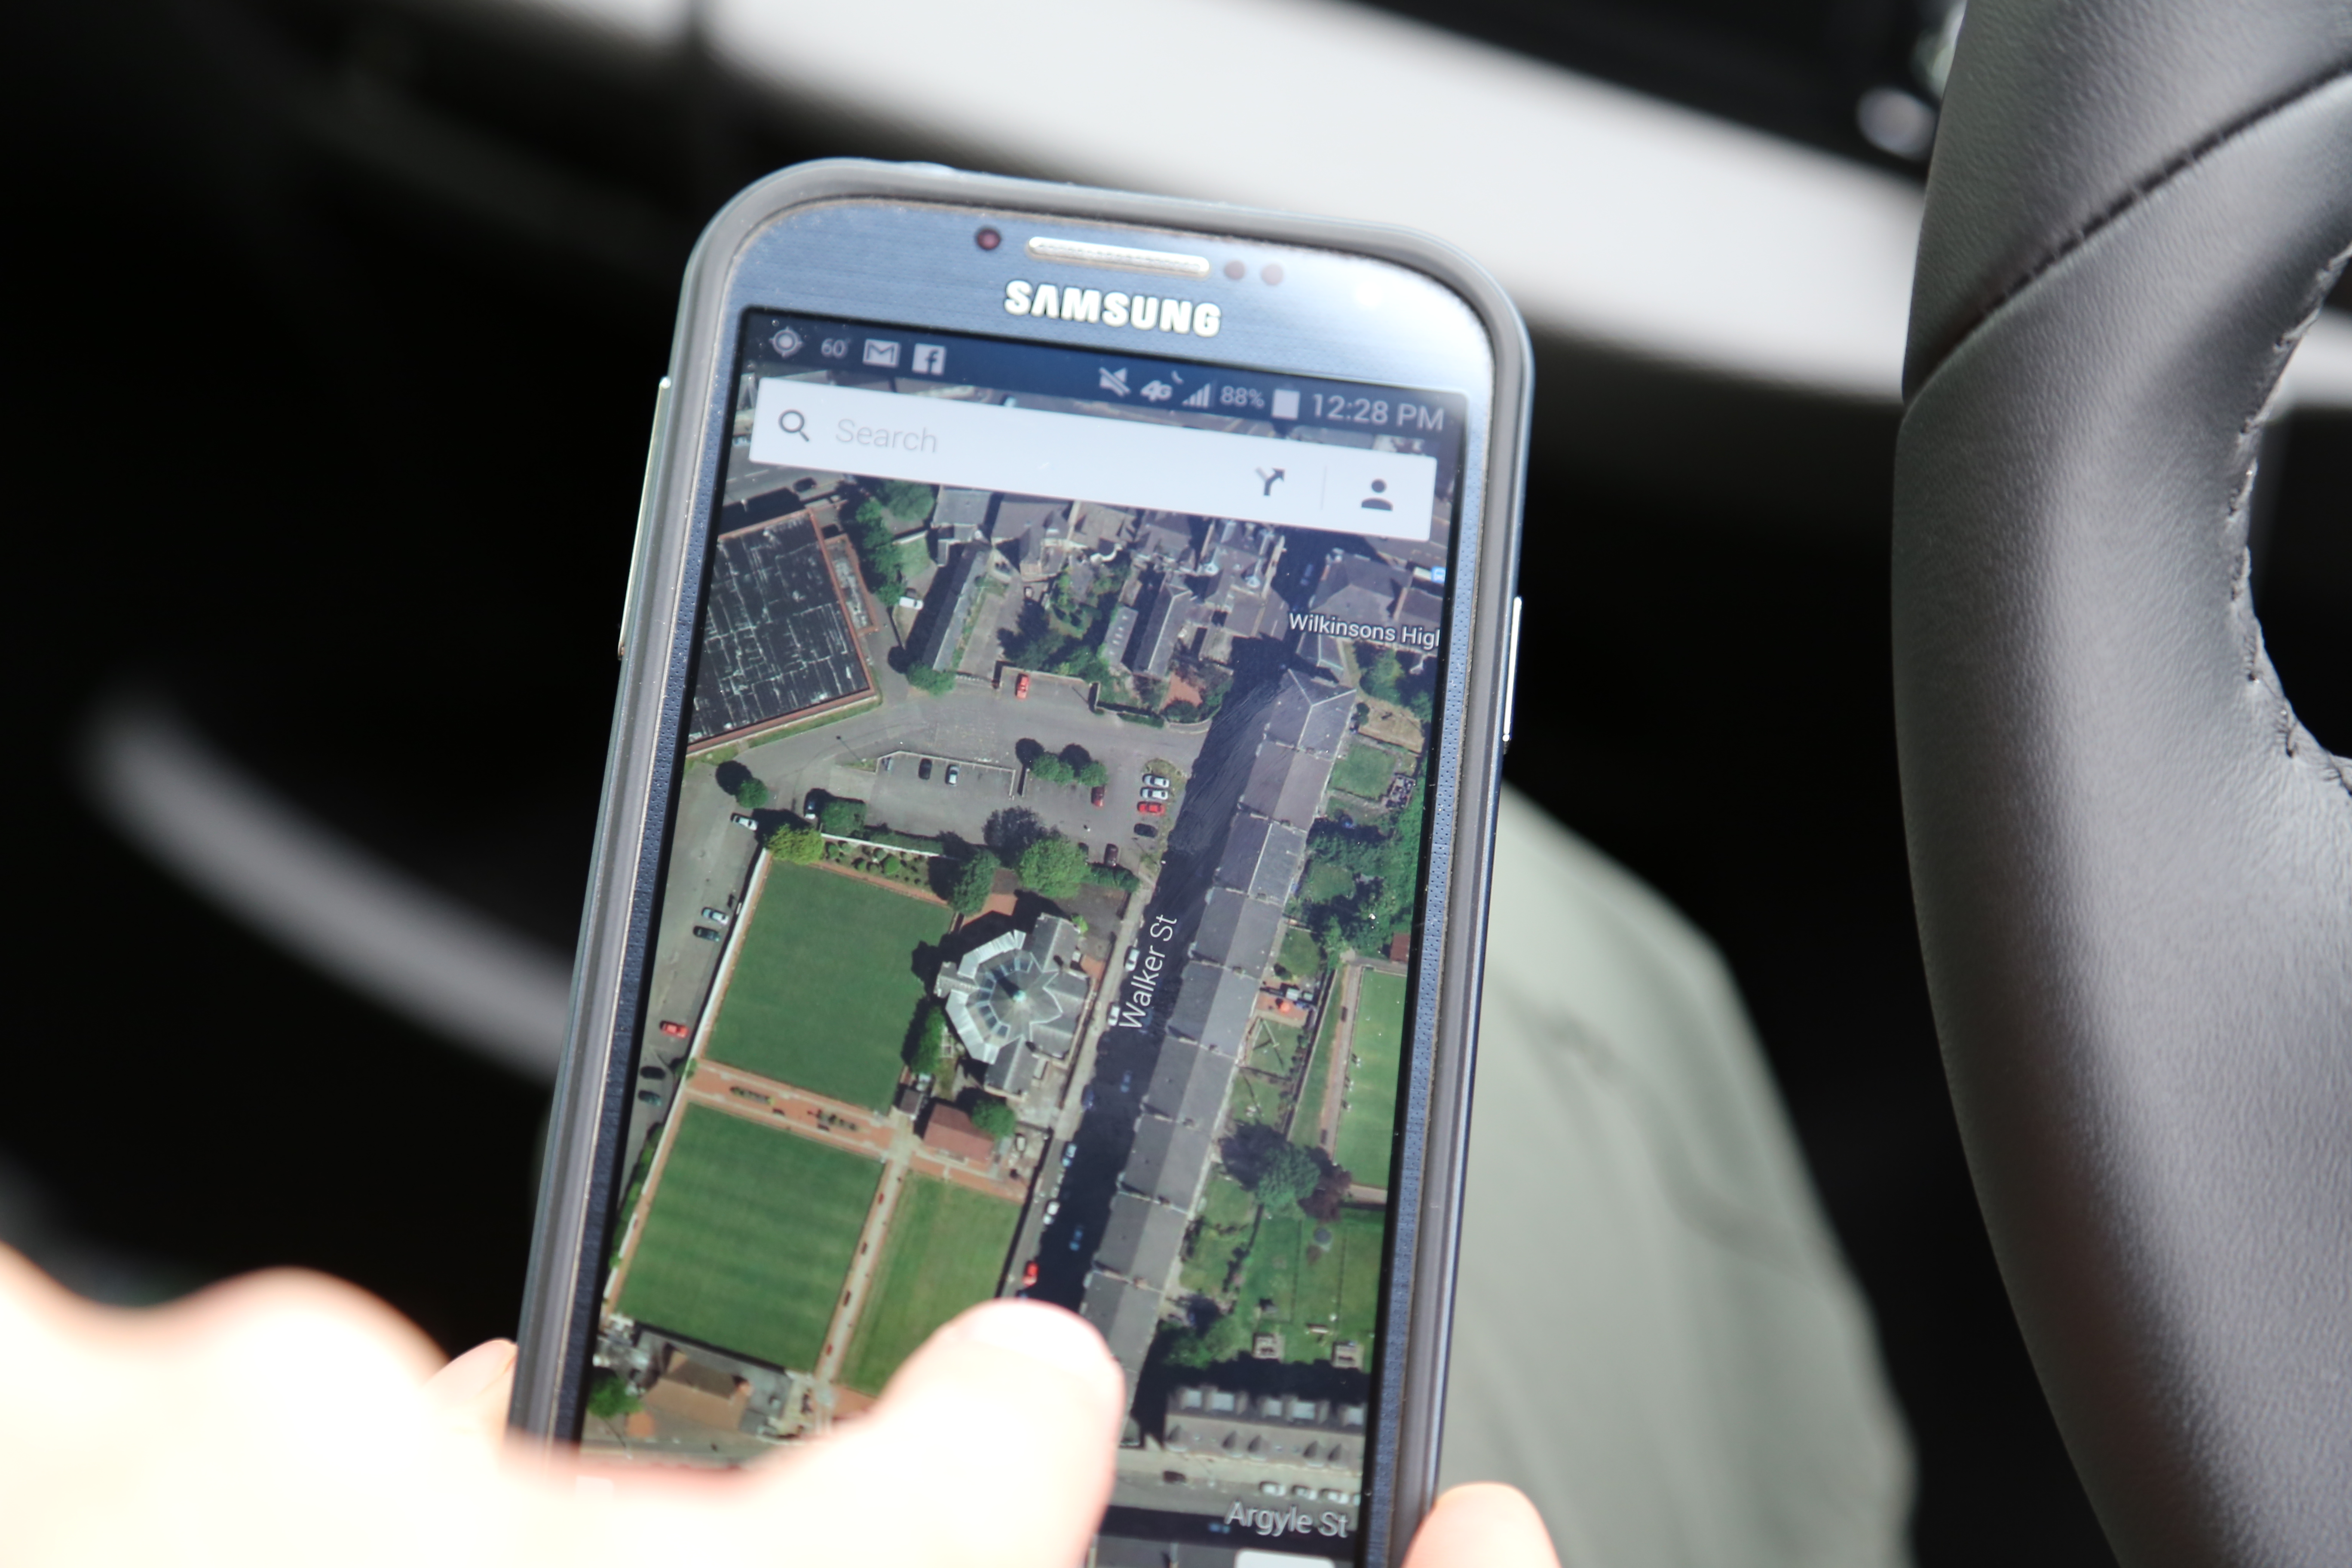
pixel 1272 272
pixel 1234 269
pixel 988 239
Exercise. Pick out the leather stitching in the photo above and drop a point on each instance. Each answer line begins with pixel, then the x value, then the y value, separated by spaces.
pixel 2131 196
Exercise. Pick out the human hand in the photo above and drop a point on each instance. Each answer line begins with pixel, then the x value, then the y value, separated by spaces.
pixel 289 1419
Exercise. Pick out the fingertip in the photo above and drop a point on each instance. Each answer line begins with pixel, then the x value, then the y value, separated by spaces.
pixel 1482 1524
pixel 1019 1382
pixel 1050 1336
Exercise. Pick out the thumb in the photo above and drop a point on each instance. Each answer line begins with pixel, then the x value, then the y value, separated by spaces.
pixel 1483 1525
pixel 991 1448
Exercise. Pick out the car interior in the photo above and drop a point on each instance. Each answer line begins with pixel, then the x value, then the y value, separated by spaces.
pixel 306 788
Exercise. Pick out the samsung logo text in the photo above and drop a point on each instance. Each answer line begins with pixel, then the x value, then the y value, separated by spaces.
pixel 1141 312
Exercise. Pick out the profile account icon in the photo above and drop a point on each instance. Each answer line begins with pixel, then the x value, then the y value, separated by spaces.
pixel 1372 502
pixel 794 423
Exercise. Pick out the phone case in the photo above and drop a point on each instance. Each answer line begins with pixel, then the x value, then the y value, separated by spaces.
pixel 593 1089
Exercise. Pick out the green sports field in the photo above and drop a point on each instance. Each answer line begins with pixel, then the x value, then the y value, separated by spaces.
pixel 750 1235
pixel 945 1252
pixel 824 986
pixel 1368 1125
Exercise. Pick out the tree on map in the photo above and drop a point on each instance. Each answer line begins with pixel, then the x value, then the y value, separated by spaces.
pixel 1387 679
pixel 1289 1174
pixel 929 681
pixel 841 818
pixel 974 882
pixel 877 552
pixel 1094 773
pixel 751 794
pixel 1331 1184
pixel 1054 868
pixel 993 1116
pixel 1013 830
pixel 924 1050
pixel 905 499
pixel 1278 1171
pixel 1227 1337
pixel 608 1396
pixel 796 845
pixel 1035 643
pixel 1050 768
pixel 1224 1338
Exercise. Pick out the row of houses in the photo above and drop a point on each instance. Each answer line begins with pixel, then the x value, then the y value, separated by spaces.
pixel 1299 734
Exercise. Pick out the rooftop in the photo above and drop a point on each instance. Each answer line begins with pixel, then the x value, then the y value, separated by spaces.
pixel 940 628
pixel 1167 1161
pixel 1125 1315
pixel 1262 858
pixel 1273 1427
pixel 1188 1084
pixel 1237 930
pixel 1142 1238
pixel 1214 1006
pixel 1021 988
pixel 1287 786
pixel 1310 715
pixel 951 1131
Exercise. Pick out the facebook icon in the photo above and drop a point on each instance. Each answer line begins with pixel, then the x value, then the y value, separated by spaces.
pixel 930 359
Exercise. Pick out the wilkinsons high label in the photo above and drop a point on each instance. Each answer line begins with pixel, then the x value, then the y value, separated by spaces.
pixel 1144 312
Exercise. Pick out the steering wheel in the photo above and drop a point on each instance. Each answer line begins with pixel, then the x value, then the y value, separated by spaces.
pixel 2133 866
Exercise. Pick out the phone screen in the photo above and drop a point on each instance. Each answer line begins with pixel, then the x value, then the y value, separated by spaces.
pixel 1038 908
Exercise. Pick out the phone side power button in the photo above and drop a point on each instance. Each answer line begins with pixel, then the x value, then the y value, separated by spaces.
pixel 1511 671
pixel 645 506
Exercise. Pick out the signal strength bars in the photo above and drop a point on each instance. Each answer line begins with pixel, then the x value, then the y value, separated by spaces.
pixel 1200 398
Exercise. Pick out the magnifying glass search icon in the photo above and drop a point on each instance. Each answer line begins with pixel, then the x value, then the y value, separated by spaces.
pixel 794 423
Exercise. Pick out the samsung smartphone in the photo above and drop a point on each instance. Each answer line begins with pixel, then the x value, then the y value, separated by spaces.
pixel 1044 844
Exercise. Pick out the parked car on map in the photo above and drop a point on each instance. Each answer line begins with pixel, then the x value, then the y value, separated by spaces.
pixel 923 769
pixel 653 1070
pixel 707 934
pixel 1029 1274
pixel 1111 854
pixel 1077 1239
pixel 1051 1209
pixel 649 1096
pixel 1145 830
pixel 1149 793
pixel 1021 687
pixel 739 820
pixel 1101 793
pixel 716 916
pixel 1151 808
pixel 674 1029
pixel 1156 782
pixel 954 772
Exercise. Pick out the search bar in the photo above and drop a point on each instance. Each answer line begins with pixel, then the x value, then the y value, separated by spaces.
pixel 1077 457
